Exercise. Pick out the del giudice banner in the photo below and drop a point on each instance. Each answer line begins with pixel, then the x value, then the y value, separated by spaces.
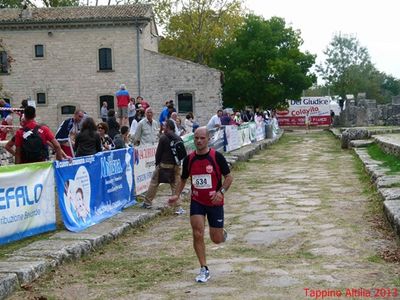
pixel 95 187
pixel 27 205
pixel 317 108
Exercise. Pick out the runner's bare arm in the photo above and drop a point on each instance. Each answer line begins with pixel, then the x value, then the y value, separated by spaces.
pixel 179 189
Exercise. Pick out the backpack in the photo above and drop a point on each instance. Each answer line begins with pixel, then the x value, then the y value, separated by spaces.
pixel 178 150
pixel 33 149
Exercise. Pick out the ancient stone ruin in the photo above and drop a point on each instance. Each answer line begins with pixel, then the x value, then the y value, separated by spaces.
pixel 366 112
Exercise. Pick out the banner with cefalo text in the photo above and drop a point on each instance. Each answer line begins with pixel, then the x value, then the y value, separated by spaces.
pixel 95 187
pixel 26 201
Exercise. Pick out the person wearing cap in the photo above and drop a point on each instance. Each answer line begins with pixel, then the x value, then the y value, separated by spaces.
pixel 123 99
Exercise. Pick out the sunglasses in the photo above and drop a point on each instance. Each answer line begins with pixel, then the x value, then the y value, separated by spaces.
pixel 100 128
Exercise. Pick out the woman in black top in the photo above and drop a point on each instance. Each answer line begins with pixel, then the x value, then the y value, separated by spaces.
pixel 88 140
pixel 113 125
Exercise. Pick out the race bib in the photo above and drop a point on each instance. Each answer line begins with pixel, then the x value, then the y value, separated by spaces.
pixel 202 181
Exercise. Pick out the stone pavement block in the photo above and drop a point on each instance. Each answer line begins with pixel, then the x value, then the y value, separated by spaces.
pixel 26 271
pixel 50 249
pixel 8 284
pixel 390 193
pixel 387 181
pixel 392 211
pixel 361 143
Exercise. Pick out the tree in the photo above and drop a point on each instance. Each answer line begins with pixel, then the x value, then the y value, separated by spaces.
pixel 199 26
pixel 346 65
pixel 263 65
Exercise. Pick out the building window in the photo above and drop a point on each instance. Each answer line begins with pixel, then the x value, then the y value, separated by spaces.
pixel 185 102
pixel 107 98
pixel 39 51
pixel 68 109
pixel 41 98
pixel 105 59
pixel 3 62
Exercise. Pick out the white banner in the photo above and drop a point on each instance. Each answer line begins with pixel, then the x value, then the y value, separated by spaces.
pixel 233 140
pixel 27 205
pixel 145 162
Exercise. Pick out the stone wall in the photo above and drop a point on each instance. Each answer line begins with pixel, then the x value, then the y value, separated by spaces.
pixel 366 112
pixel 68 74
pixel 165 77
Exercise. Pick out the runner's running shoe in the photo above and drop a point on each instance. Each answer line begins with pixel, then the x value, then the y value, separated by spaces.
pixel 180 211
pixel 225 235
pixel 203 276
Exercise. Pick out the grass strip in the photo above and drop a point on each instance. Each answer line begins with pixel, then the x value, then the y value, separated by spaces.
pixel 388 160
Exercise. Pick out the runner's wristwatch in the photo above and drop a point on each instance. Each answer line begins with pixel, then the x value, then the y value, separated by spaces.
pixel 222 191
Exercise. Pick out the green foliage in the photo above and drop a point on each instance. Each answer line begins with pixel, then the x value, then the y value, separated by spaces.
pixel 10 3
pixel 58 3
pixel 263 65
pixel 345 57
pixel 388 160
pixel 198 28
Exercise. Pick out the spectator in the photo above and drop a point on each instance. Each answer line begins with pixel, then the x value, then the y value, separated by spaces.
pixel 189 122
pixel 147 130
pixel 6 126
pixel 104 111
pixel 215 121
pixel 247 116
pixel 10 146
pixel 139 114
pixel 143 104
pixel 181 129
pixel 122 103
pixel 113 125
pixel 132 129
pixel 6 109
pixel 165 114
pixel 24 103
pixel 121 140
pixel 131 110
pixel 165 162
pixel 45 134
pixel 174 117
pixel 225 118
pixel 68 130
pixel 106 141
pixel 237 119
pixel 88 141
pixel 332 117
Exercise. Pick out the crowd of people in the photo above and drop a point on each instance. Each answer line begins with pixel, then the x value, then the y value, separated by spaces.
pixel 133 123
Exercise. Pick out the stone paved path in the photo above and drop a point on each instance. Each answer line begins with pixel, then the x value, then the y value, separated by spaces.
pixel 298 217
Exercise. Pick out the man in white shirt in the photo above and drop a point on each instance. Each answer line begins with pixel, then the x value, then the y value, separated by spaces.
pixel 215 121
pixel 147 130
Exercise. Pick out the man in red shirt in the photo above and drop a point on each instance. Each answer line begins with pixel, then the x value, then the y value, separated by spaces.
pixel 45 134
pixel 123 99
pixel 206 167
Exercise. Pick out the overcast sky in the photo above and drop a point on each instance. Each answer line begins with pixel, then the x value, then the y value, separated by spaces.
pixel 375 23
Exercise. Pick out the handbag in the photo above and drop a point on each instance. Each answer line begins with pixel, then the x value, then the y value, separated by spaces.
pixel 166 175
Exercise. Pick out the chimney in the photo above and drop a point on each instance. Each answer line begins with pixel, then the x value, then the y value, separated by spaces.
pixel 26 12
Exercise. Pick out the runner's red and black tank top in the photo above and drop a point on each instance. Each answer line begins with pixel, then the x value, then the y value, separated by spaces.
pixel 206 177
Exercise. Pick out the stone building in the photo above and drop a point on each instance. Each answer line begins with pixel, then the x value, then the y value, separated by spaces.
pixel 77 57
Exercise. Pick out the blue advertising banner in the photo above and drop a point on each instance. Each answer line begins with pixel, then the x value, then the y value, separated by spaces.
pixel 95 187
pixel 27 203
